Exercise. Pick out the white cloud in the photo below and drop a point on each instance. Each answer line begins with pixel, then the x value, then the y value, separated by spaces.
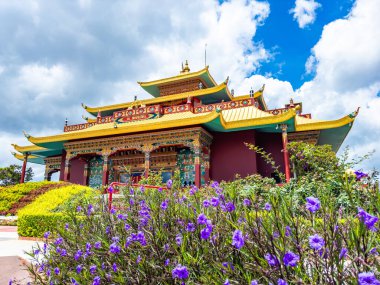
pixel 43 81
pixel 304 12
pixel 346 61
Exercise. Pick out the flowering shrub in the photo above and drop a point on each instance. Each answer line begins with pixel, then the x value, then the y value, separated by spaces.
pixel 44 213
pixel 215 235
pixel 11 195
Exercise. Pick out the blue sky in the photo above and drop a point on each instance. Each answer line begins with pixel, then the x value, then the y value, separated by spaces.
pixel 291 45
pixel 55 55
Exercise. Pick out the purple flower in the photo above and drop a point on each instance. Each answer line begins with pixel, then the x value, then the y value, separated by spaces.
pixel 202 219
pixel 78 254
pixel 373 251
pixel 114 267
pixel 238 239
pixel 226 282
pixel 291 259
pixel 127 227
pixel 193 190
pixel 115 248
pixel 96 281
pixel 110 189
pixel 215 201
pixel 159 189
pixel 122 217
pixel 142 188
pixel 246 202
pixel 169 184
pixel 367 278
pixel 46 235
pixel 58 241
pixel 206 203
pixel 190 227
pixel 180 272
pixel 254 282
pixel 79 268
pixel 228 207
pixel 138 259
pixel 92 269
pixel 271 259
pixel 343 253
pixel 267 207
pixel 63 252
pixel 288 231
pixel 206 232
pixel 79 209
pixel 90 209
pixel 316 242
pixel 98 244
pixel 164 205
pixel 367 219
pixel 281 282
pixel 56 271
pixel 313 204
pixel 178 239
pixel 167 261
pixel 73 282
pixel 66 226
pixel 215 185
pixel 360 175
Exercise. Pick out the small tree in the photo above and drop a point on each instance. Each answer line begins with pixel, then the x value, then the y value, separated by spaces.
pixel 11 175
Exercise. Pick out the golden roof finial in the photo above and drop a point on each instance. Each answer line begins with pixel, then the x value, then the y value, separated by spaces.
pixel 186 69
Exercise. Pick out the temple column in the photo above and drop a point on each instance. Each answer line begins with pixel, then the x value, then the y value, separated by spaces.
pixel 207 166
pixel 23 169
pixel 46 176
pixel 105 169
pixel 85 173
pixel 66 174
pixel 147 163
pixel 197 165
pixel 284 129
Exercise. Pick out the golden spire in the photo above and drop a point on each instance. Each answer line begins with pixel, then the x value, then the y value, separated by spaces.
pixel 185 69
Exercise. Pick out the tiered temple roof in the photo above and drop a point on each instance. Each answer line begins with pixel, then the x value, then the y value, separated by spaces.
pixel 190 99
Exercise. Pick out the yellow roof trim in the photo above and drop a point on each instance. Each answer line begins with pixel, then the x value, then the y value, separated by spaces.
pixel 310 124
pixel 265 120
pixel 29 148
pixel 177 77
pixel 109 129
pixel 21 157
pixel 158 99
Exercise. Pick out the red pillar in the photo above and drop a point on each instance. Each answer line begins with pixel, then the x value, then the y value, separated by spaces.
pixel 285 151
pixel 22 178
pixel 197 167
pixel 105 170
pixel 147 163
pixel 66 174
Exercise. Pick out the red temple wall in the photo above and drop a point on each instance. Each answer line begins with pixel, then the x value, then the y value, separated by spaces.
pixel 77 170
pixel 62 171
pixel 229 155
pixel 271 143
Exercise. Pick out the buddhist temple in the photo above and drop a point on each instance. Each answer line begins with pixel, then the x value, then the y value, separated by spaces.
pixel 191 123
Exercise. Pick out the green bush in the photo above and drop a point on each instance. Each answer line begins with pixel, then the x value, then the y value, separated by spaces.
pixel 45 212
pixel 10 195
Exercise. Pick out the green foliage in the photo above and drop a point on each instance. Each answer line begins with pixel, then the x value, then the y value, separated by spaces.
pixel 45 212
pixel 286 227
pixel 10 195
pixel 11 175
pixel 316 160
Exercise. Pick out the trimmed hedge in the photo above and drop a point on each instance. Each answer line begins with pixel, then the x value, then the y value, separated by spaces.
pixel 10 195
pixel 45 212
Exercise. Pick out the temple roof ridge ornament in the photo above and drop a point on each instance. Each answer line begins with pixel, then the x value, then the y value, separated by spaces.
pixel 26 134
